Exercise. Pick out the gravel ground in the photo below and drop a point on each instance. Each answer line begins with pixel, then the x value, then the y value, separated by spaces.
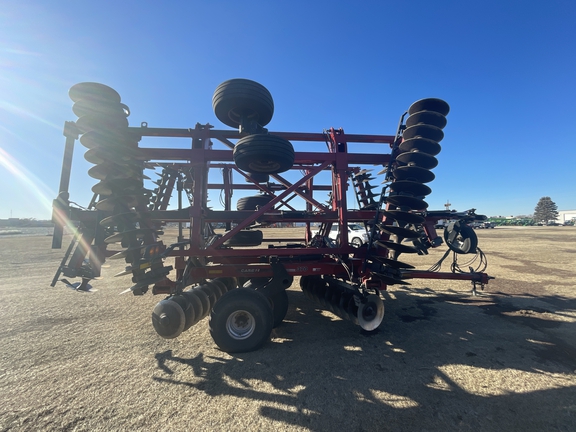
pixel 504 360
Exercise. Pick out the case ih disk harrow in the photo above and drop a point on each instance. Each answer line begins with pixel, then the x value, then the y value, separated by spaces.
pixel 235 275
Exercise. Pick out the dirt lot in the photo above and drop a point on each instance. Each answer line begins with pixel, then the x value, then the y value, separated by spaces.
pixel 442 360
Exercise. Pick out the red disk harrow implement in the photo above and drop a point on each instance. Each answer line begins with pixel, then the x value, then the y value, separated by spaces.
pixel 221 264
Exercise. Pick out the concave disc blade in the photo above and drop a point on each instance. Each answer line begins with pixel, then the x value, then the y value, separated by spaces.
pixel 430 104
pixel 410 187
pixel 424 131
pixel 137 233
pixel 400 232
pixel 407 201
pixel 413 173
pixel 93 91
pixel 403 216
pixel 427 117
pixel 423 145
pixel 415 158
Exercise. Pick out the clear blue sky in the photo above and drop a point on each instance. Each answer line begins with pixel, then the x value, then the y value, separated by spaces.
pixel 507 69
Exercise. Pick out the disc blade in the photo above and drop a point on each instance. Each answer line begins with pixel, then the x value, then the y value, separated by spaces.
pixel 407 201
pixel 430 104
pixel 423 145
pixel 427 117
pixel 413 173
pixel 415 158
pixel 400 232
pixel 410 187
pixel 403 216
pixel 424 131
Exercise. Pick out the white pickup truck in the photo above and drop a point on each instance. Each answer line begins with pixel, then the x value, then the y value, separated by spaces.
pixel 357 235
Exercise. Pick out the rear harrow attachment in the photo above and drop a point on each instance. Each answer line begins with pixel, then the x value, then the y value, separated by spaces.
pixel 221 265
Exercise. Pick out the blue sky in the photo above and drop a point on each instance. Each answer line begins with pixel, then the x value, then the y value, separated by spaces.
pixel 507 69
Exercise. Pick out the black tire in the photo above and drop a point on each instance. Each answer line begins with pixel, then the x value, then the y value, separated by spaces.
pixel 252 202
pixel 241 321
pixel 279 307
pixel 263 153
pixel 246 238
pixel 237 98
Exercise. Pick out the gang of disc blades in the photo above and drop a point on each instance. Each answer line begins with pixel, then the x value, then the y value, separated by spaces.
pixel 424 131
pixel 423 145
pixel 430 104
pixel 407 201
pixel 427 117
pixel 400 232
pixel 402 248
pixel 410 187
pixel 413 173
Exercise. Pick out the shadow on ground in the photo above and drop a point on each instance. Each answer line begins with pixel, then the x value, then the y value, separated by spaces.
pixel 439 360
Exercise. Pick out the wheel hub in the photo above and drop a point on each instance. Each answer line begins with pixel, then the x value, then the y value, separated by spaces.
pixel 240 325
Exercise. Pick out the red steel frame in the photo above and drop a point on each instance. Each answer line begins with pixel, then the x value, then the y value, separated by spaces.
pixel 254 262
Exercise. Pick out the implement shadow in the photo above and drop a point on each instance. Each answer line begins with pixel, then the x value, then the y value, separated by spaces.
pixel 439 360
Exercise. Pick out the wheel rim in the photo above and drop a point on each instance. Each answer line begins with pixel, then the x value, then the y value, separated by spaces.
pixel 240 325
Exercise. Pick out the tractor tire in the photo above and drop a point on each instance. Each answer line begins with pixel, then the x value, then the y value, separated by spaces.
pixel 253 202
pixel 241 321
pixel 246 238
pixel 263 153
pixel 241 98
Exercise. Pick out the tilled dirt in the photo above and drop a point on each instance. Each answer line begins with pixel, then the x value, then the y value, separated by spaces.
pixel 442 359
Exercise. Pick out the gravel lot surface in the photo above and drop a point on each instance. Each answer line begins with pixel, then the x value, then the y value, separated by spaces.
pixel 504 360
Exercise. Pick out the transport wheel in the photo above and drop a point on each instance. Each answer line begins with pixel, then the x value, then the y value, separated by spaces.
pixel 253 202
pixel 279 307
pixel 241 98
pixel 246 238
pixel 263 153
pixel 241 321
pixel 356 242
pixel 460 238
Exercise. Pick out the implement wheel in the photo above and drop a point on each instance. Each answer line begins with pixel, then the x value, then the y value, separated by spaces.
pixel 241 321
pixel 253 202
pixel 263 153
pixel 238 99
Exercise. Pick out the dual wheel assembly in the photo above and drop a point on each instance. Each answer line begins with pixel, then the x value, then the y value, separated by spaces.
pixel 248 106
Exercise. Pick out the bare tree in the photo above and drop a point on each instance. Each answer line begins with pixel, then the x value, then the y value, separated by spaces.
pixel 546 210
